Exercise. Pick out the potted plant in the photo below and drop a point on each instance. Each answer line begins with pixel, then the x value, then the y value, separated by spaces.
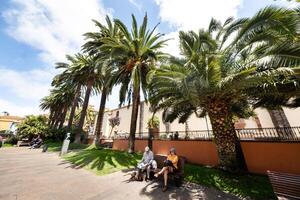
pixel 153 128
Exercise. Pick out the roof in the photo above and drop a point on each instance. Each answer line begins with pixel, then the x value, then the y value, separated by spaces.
pixel 11 118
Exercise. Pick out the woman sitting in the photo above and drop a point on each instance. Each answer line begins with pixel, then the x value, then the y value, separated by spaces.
pixel 170 166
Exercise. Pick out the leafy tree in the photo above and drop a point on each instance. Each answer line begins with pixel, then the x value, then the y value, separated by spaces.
pixel 32 126
pixel 224 70
pixel 134 54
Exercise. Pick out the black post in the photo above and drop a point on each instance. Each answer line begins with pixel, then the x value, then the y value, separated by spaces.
pixel 150 138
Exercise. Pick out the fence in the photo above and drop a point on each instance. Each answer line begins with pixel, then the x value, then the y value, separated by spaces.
pixel 268 134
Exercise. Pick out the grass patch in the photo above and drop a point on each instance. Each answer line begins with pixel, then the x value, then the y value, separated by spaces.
pixel 56 146
pixel 7 145
pixel 253 186
pixel 103 161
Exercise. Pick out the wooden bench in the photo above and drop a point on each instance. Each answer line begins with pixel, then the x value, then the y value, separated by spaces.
pixel 23 142
pixel 285 185
pixel 177 176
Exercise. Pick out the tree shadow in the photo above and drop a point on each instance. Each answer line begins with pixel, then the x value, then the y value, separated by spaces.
pixel 153 190
pixel 244 185
pixel 101 160
pixel 187 191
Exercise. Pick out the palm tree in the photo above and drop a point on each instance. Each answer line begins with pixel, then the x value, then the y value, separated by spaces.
pixel 68 77
pixel 106 77
pixel 135 54
pixel 218 77
pixel 58 101
pixel 71 78
pixel 86 69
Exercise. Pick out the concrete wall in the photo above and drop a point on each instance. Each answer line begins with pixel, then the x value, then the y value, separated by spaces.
pixel 259 156
pixel 276 156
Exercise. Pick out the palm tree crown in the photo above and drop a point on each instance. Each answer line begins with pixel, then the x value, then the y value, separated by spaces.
pixel 221 66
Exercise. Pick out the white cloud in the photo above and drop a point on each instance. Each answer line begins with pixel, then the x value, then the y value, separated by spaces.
pixel 28 85
pixel 172 46
pixel 53 27
pixel 136 4
pixel 192 15
pixel 15 109
pixel 195 14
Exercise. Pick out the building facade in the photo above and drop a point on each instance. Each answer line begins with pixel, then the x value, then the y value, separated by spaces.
pixel 264 118
pixel 9 123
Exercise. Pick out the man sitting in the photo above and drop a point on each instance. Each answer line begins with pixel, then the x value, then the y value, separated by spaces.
pixel 146 164
pixel 36 142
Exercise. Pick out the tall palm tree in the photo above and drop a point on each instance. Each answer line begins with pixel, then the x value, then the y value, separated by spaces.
pixel 71 78
pixel 86 69
pixel 218 77
pixel 106 77
pixel 135 54
pixel 58 101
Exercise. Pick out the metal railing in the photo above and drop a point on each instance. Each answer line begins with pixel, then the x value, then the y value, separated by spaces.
pixel 270 134
pixel 277 133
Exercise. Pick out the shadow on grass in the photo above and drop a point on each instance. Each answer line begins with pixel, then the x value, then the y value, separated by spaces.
pixel 103 161
pixel 243 185
pixel 56 146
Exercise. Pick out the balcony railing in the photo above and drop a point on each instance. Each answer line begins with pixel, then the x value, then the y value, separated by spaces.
pixel 270 134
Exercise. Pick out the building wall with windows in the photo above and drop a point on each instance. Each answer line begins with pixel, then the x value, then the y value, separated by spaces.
pixel 263 119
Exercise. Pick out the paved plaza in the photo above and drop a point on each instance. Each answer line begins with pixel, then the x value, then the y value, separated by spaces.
pixel 32 175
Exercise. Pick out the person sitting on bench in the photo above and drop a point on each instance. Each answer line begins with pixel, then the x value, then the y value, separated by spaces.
pixel 145 164
pixel 170 166
pixel 36 142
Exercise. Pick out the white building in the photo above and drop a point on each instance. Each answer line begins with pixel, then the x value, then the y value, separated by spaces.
pixel 285 117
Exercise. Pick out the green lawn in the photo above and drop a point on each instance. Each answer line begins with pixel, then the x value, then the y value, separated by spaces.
pixel 254 186
pixel 7 145
pixel 103 161
pixel 56 146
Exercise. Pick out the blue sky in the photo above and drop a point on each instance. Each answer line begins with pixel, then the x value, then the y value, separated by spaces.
pixel 34 34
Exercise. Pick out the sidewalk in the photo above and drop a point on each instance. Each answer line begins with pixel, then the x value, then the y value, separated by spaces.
pixel 31 175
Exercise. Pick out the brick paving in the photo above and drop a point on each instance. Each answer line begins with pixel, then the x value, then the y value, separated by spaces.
pixel 32 175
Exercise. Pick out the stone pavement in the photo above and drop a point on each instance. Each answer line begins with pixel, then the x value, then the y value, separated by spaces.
pixel 31 175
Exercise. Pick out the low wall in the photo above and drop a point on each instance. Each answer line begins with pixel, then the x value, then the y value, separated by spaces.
pixel 198 152
pixel 259 156
pixel 122 145
pixel 189 149
pixel 276 156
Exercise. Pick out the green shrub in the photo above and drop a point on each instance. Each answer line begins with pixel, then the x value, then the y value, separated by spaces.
pixel 11 139
pixel 32 126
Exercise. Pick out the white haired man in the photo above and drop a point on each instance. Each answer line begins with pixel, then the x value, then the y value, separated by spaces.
pixel 145 164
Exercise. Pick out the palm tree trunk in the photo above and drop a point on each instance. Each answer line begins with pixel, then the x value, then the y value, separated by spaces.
pixel 57 121
pixel 83 111
pixel 134 115
pixel 100 116
pixel 63 117
pixel 50 118
pixel 225 136
pixel 58 117
pixel 53 119
pixel 73 109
